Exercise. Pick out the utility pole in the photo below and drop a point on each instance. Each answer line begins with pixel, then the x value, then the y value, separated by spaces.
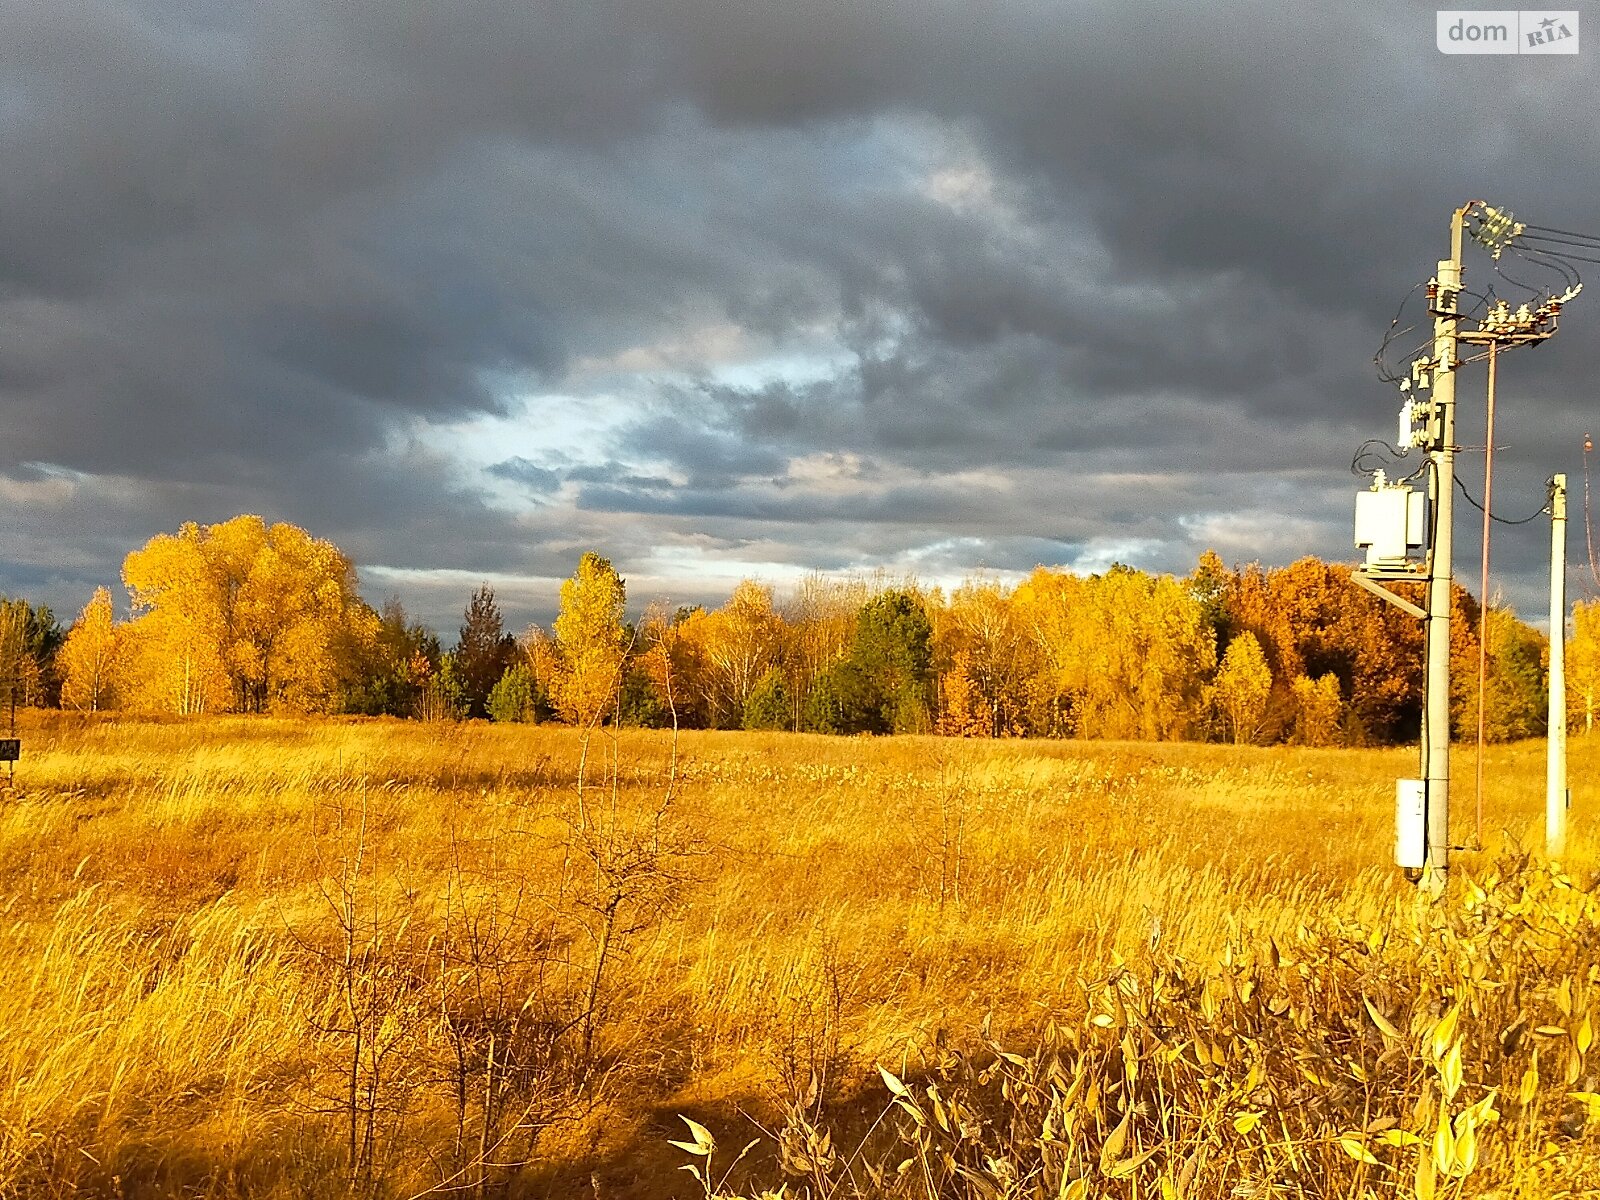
pixel 1444 295
pixel 1392 525
pixel 1556 797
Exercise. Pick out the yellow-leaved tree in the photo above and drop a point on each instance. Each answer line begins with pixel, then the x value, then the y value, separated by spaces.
pixel 591 640
pixel 175 642
pixel 1048 606
pixel 243 616
pixel 1121 655
pixel 1318 707
pixel 731 649
pixel 88 658
pixel 1583 665
pixel 1244 681
pixel 980 628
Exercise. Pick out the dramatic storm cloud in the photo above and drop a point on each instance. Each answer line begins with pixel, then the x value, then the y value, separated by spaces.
pixel 746 288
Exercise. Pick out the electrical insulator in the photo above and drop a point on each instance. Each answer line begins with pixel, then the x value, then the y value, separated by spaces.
pixel 1496 227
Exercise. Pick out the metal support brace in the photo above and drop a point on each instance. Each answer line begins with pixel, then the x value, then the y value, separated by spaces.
pixel 1366 581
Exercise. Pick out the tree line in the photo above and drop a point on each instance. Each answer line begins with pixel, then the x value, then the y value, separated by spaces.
pixel 244 616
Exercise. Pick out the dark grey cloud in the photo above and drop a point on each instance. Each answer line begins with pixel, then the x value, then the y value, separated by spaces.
pixel 911 283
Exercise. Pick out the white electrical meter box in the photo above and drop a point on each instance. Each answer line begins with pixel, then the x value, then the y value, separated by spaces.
pixel 1411 823
pixel 1391 522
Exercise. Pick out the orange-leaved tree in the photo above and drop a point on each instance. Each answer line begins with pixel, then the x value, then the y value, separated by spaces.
pixel 961 708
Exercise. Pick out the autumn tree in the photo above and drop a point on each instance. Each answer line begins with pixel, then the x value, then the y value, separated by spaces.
pixel 962 708
pixel 88 657
pixel 15 662
pixel 537 650
pixel 178 634
pixel 1515 698
pixel 732 648
pixel 980 627
pixel 659 688
pixel 1583 664
pixel 1123 655
pixel 1465 613
pixel 1049 606
pixel 1309 619
pixel 242 615
pixel 673 657
pixel 589 633
pixel 1244 682
pixel 1318 709
pixel 819 622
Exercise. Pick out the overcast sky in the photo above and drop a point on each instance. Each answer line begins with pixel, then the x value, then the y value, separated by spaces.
pixel 746 288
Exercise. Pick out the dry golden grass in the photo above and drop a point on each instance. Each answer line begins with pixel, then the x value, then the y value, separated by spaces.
pixel 240 950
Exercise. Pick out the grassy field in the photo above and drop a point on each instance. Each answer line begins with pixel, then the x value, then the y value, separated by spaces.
pixel 295 958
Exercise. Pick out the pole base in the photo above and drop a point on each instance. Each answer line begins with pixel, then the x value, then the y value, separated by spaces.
pixel 1432 882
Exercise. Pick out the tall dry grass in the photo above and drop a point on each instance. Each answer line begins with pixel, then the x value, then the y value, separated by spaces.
pixel 271 957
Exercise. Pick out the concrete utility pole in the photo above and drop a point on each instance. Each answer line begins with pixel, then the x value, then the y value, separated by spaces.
pixel 1391 524
pixel 1445 297
pixel 1556 796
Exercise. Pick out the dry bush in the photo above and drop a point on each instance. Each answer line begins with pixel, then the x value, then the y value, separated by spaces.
pixel 1441 1050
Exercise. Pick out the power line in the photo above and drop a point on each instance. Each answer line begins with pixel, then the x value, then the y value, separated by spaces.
pixel 1588 237
pixel 1462 488
pixel 1369 453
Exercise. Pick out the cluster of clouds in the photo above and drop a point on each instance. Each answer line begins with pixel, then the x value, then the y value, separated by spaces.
pixel 726 288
